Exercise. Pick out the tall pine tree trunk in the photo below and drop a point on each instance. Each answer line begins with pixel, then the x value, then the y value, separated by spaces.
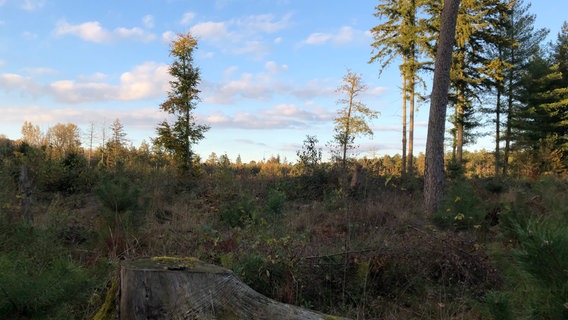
pixel 498 130
pixel 508 125
pixel 411 124
pixel 459 128
pixel 434 165
pixel 412 84
pixel 404 99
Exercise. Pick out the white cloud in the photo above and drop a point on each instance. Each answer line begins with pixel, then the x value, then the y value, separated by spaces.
pixel 187 18
pixel 282 116
pixel 254 49
pixel 13 82
pixel 262 86
pixel 31 5
pixel 97 76
pixel 312 89
pixel 41 71
pixel 376 91
pixel 218 117
pixel 245 87
pixel 250 86
pixel 34 114
pixel 213 31
pixel 136 34
pixel 264 23
pixel 207 54
pixel 148 21
pixel 168 36
pixel 89 31
pixel 92 31
pixel 273 67
pixel 345 35
pixel 145 118
pixel 318 38
pixel 244 36
pixel 230 71
pixel 2 2
pixel 292 111
pixel 220 4
pixel 147 80
pixel 69 91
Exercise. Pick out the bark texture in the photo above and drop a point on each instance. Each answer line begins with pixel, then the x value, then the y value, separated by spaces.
pixel 434 165
pixel 186 288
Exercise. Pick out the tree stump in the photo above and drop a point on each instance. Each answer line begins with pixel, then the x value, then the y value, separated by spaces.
pixel 186 288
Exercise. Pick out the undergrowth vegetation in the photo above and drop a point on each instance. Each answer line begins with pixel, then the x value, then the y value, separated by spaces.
pixel 497 249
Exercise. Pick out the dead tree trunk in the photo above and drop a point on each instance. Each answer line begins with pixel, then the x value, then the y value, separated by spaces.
pixel 186 288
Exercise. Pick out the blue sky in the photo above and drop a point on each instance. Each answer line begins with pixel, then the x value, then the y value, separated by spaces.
pixel 269 69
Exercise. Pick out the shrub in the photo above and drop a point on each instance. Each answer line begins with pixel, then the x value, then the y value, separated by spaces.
pixel 461 209
pixel 494 185
pixel 536 255
pixel 71 175
pixel 118 194
pixel 543 253
pixel 276 202
pixel 240 212
pixel 334 200
pixel 499 305
pixel 121 217
pixel 38 280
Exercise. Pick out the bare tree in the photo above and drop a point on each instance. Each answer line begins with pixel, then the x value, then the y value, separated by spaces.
pixel 91 138
pixel 63 139
pixel 351 120
pixel 31 134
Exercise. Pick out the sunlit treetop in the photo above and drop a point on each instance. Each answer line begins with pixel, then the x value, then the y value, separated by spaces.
pixel 184 44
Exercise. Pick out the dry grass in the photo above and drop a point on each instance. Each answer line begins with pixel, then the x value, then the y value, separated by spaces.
pixel 369 256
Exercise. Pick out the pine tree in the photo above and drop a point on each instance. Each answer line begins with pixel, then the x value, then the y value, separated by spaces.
pixel 470 63
pixel 179 137
pixel 309 158
pixel 495 68
pixel 540 122
pixel 401 34
pixel 560 52
pixel 524 44
pixel 238 161
pixel 116 146
pixel 467 66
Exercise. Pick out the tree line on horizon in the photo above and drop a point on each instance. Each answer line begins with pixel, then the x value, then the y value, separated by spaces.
pixel 501 72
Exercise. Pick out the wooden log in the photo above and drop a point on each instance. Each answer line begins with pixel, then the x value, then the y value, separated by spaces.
pixel 186 288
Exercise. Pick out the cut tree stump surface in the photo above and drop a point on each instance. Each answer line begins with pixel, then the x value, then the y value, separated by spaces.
pixel 186 288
